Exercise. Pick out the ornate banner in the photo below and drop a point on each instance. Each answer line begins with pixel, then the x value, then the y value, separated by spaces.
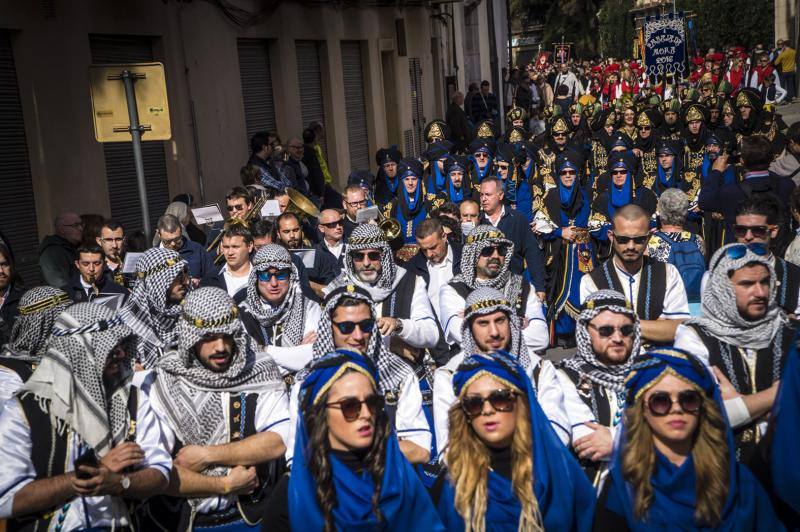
pixel 665 44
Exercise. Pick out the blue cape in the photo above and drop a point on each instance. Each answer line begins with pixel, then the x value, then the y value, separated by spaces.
pixel 456 195
pixel 747 506
pixel 404 503
pixel 786 415
pixel 619 197
pixel 566 499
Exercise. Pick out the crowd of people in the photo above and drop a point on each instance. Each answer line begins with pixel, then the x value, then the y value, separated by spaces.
pixel 381 357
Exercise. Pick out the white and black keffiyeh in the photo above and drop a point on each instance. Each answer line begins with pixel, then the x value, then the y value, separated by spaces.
pixel 720 316
pixel 369 236
pixel 68 382
pixel 190 393
pixel 290 314
pixel 148 311
pixel 38 309
pixel 392 368
pixel 585 361
pixel 479 238
pixel 483 301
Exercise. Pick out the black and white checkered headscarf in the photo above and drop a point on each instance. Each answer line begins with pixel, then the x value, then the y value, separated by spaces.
pixel 38 309
pixel 479 238
pixel 392 368
pixel 290 314
pixel 192 394
pixel 483 301
pixel 148 311
pixel 68 382
pixel 585 361
pixel 369 236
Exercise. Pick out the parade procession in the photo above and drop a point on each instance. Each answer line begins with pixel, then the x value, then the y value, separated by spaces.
pixel 440 265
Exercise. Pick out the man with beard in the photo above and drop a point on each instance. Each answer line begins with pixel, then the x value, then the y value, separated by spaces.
pixel 654 289
pixel 111 240
pixel 593 379
pixel 152 310
pixel 39 307
pixel 78 442
pixel 91 280
pixel 645 144
pixel 412 203
pixel 670 129
pixel 387 181
pixel 224 416
pixel 350 320
pixel 747 119
pixel 695 116
pixel 290 235
pixel 744 336
pixel 555 142
pixel 355 199
pixel 491 324
pixel 482 150
pixel 276 314
pixel 456 189
pixel 485 261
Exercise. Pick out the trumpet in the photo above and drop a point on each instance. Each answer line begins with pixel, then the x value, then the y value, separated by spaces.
pixel 257 206
pixel 390 227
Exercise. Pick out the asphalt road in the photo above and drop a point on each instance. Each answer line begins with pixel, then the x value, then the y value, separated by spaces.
pixel 790 112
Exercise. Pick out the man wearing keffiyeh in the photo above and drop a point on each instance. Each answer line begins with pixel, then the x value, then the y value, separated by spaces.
pixel 744 335
pixel 79 402
pixel 485 262
pixel 608 338
pixel 38 307
pixel 152 310
pixel 349 322
pixel 490 325
pixel 275 313
pixel 224 407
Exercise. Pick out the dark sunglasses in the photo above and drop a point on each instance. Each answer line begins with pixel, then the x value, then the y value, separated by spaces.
pixel 567 172
pixel 236 208
pixel 638 240
pixel 347 327
pixel 759 231
pixel 489 250
pixel 557 135
pixel 280 275
pixel 359 256
pixel 502 166
pixel 660 403
pixel 331 225
pixel 481 156
pixel 500 400
pixel 619 172
pixel 351 407
pixel 645 128
pixel 606 331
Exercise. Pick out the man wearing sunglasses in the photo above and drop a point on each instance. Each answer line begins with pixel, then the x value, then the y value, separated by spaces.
pixel 490 325
pixel 482 150
pixel 331 226
pixel 744 336
pixel 608 338
pixel 654 289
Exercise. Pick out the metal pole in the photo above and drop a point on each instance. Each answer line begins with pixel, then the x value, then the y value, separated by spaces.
pixel 135 128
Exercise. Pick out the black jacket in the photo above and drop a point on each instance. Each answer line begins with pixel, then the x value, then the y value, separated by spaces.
pixel 515 226
pixel 460 132
pixel 105 285
pixel 9 311
pixel 316 180
pixel 218 279
pixel 419 264
pixel 57 258
pixel 322 249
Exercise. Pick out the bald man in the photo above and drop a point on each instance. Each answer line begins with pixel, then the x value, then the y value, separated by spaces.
pixel 57 253
pixel 331 225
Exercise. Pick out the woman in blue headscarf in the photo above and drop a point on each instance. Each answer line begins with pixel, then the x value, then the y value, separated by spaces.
pixel 348 472
pixel 508 470
pixel 566 211
pixel 675 467
pixel 785 460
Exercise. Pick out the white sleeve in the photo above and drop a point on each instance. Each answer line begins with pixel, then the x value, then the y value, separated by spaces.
pixel 676 304
pixel 16 466
pixel 410 421
pixel 152 438
pixel 451 309
pixel 536 334
pixel 688 340
pixel 293 359
pixel 587 288
pixel 551 399
pixel 421 329
pixel 272 412
pixel 9 384
pixel 294 406
pixel 577 411
pixel 443 399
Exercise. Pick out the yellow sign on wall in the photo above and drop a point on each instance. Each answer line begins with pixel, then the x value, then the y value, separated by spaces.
pixel 110 107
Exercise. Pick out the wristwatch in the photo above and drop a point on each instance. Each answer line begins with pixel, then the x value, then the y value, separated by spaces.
pixel 126 482
pixel 398 328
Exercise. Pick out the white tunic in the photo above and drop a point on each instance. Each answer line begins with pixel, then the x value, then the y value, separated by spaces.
pixel 292 359
pixel 420 329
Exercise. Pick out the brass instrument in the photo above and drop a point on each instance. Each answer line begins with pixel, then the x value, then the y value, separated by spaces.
pixel 390 227
pixel 258 204
pixel 301 205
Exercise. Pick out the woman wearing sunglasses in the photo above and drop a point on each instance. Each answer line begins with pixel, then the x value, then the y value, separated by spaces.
pixel 676 468
pixel 507 468
pixel 348 471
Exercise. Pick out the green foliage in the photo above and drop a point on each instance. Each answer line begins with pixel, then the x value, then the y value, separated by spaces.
pixel 616 28
pixel 574 20
pixel 720 23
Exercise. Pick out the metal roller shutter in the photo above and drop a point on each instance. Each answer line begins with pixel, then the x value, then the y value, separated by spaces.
pixel 120 170
pixel 256 75
pixel 417 113
pixel 355 109
pixel 17 207
pixel 309 82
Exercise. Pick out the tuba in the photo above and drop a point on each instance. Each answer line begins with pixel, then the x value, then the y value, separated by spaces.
pixel 301 205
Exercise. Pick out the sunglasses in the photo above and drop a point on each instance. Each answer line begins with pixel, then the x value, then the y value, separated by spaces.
pixel 373 256
pixel 638 240
pixel 660 403
pixel 607 331
pixel 500 400
pixel 501 166
pixel 489 250
pixel 645 128
pixel 567 172
pixel 481 155
pixel 619 172
pixel 759 231
pixel 559 135
pixel 280 275
pixel 347 327
pixel 235 208
pixel 331 225
pixel 351 407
